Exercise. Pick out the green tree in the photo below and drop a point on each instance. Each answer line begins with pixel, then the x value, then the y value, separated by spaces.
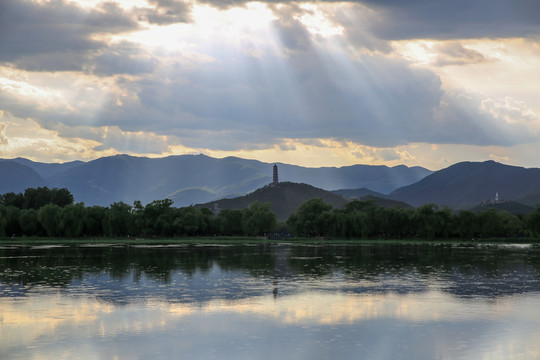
pixel 61 197
pixel 466 224
pixel 36 198
pixel 426 220
pixel 396 221
pixel 118 219
pixel 230 222
pixel 139 223
pixel 354 220
pixel 94 220
pixel 488 222
pixel 28 220
pixel 72 219
pixel 258 219
pixel 533 222
pixel 13 226
pixel 49 218
pixel 313 218
pixel 510 224
pixel 445 223
pixel 210 226
pixel 4 218
pixel 159 217
pixel 12 199
pixel 190 221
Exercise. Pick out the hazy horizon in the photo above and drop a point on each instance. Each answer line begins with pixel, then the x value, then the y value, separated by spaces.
pixel 262 161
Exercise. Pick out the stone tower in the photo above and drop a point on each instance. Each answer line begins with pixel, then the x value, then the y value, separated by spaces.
pixel 275 181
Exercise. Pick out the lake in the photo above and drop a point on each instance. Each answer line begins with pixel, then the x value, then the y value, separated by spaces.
pixel 270 301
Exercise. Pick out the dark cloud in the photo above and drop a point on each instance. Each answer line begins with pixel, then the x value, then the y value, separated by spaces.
pixel 457 19
pixel 388 155
pixel 56 61
pixel 122 58
pixel 453 53
pixel 165 12
pixel 356 27
pixel 292 33
pixel 56 29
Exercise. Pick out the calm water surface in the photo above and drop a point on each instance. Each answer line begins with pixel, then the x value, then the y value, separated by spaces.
pixel 270 301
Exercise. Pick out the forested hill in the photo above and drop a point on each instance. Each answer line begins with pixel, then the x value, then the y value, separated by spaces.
pixel 284 198
pixel 468 184
pixel 188 179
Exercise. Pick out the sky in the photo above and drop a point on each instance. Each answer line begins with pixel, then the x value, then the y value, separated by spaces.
pixel 314 83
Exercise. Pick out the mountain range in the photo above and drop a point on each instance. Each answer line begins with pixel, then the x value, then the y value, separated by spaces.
pixel 466 184
pixel 188 179
pixel 200 179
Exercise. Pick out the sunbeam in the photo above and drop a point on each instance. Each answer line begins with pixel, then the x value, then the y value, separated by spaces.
pixel 268 77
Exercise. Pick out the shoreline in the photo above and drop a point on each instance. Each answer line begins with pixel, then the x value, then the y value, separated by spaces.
pixel 251 239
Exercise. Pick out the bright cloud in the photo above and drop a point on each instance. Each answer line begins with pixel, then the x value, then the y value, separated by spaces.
pixel 334 82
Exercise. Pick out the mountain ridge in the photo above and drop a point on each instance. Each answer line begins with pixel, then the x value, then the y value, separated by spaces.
pixel 197 179
pixel 192 179
pixel 466 184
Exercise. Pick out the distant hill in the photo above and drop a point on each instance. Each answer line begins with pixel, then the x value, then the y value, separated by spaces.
pixel 189 179
pixel 529 199
pixel 381 179
pixel 467 184
pixel 384 202
pixel 15 177
pixel 47 170
pixel 357 193
pixel 284 198
pixel 193 196
pixel 367 195
pixel 509 206
pixel 184 179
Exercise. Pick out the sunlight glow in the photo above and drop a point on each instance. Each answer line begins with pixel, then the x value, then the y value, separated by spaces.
pixel 417 51
pixel 65 92
pixel 317 23
pixel 501 69
pixel 322 152
pixel 209 30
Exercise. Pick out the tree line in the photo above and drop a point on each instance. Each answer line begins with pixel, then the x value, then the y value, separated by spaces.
pixel 365 219
pixel 53 213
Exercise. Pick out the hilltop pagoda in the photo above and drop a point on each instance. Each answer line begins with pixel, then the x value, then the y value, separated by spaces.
pixel 275 179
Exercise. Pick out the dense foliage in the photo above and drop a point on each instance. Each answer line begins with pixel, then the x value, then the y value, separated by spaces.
pixel 36 198
pixel 51 212
pixel 365 219
pixel 158 218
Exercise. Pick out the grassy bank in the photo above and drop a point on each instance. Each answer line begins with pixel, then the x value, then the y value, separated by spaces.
pixel 250 239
